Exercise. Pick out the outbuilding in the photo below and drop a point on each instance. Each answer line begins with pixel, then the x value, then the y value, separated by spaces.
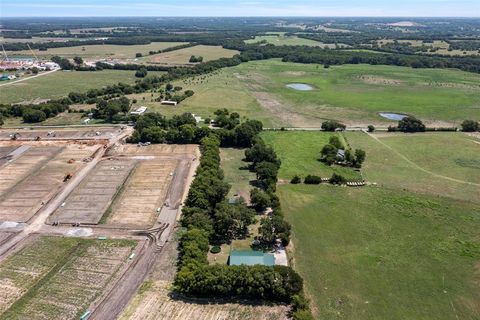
pixel 169 102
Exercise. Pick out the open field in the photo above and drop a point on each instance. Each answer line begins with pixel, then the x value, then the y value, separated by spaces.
pixel 442 46
pixel 35 176
pixel 35 40
pixel 58 278
pixel 182 56
pixel 377 253
pixel 282 40
pixel 89 201
pixel 153 301
pixel 61 83
pixel 299 152
pixel 236 172
pixel 444 164
pixel 79 133
pixel 354 94
pixel 99 51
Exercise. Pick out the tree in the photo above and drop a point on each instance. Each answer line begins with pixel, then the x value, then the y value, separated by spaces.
pixel 33 115
pixel 273 228
pixel 169 87
pixel 259 199
pixel 296 180
pixel 332 125
pixel 337 179
pixel 360 156
pixel 470 126
pixel 328 154
pixel 311 179
pixel 411 124
pixel 1 119
pixel 335 141
pixel 78 60
pixel 138 55
pixel 231 220
pixel 371 128
pixel 266 172
pixel 35 70
pixel 141 73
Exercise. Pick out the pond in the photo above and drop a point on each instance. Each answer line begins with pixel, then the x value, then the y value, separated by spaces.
pixel 300 86
pixel 393 116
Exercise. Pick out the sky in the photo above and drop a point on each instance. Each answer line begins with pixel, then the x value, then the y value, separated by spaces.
pixel 384 8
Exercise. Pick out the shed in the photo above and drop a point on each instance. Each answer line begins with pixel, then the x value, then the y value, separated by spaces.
pixel 169 102
pixel 250 258
pixel 341 154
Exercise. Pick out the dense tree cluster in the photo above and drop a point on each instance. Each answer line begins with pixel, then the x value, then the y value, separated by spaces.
pixel 330 154
pixel 196 59
pixel 32 113
pixel 332 125
pixel 470 126
pixel 409 124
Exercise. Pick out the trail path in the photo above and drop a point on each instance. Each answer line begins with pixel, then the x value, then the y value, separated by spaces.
pixel 420 168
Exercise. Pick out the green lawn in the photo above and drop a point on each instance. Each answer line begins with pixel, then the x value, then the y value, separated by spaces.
pixel 444 164
pixel 377 253
pixel 299 152
pixel 236 172
pixel 61 83
pixel 98 51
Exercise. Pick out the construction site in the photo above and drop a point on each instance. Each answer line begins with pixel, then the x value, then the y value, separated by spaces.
pixel 85 219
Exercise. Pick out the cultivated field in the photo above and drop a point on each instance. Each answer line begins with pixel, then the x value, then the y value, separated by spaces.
pixel 299 152
pixel 377 253
pixel 153 301
pixel 89 201
pixel 444 164
pixel 57 278
pixel 61 83
pixel 354 94
pixel 182 56
pixel 35 176
pixel 99 51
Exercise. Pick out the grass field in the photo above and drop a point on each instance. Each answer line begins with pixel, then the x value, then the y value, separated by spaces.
pixel 236 172
pixel 377 253
pixel 299 152
pixel 61 83
pixel 182 56
pixel 98 51
pixel 282 40
pixel 354 94
pixel 445 164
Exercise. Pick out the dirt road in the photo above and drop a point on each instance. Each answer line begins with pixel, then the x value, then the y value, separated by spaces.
pixel 24 79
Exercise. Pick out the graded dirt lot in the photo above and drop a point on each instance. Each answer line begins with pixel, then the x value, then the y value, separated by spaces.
pixel 57 278
pixel 87 203
pixel 143 194
pixel 98 133
pixel 36 175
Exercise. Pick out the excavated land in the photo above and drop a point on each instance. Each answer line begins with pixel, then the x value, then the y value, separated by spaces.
pixel 35 175
pixel 89 201
pixel 57 278
pixel 87 133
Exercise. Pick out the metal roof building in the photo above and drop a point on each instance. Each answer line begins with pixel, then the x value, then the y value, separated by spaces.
pixel 250 258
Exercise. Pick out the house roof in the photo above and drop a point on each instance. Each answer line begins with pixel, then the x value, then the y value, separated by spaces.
pixel 250 258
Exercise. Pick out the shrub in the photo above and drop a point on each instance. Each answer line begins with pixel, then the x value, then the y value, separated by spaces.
pixel 296 180
pixel 215 249
pixel 337 179
pixel 470 126
pixel 332 125
pixel 310 179
pixel 371 128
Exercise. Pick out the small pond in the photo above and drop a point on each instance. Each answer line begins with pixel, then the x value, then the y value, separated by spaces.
pixel 393 116
pixel 300 86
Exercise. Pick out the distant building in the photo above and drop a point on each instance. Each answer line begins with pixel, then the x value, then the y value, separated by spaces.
pixel 341 154
pixel 169 102
pixel 86 121
pixel 139 111
pixel 198 119
pixel 250 258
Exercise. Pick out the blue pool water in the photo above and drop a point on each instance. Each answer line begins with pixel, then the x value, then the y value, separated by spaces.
pixel 300 86
pixel 393 116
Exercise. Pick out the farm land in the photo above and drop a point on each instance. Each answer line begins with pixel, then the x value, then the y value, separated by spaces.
pixel 100 51
pixel 353 94
pixel 359 247
pixel 283 40
pixel 182 56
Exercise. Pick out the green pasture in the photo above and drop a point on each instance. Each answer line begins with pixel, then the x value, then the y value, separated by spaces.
pixel 299 152
pixel 377 253
pixel 61 83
